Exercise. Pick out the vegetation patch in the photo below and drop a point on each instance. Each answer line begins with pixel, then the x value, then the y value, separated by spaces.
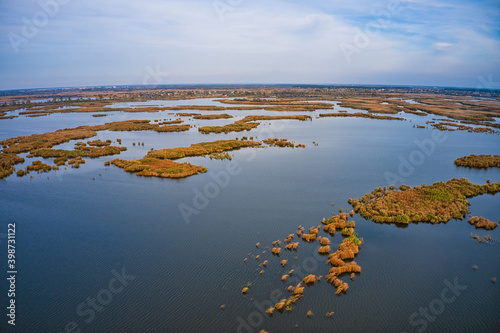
pixel 159 163
pixel 247 123
pixel 185 114
pixel 212 116
pixel 221 156
pixel 451 126
pixel 171 122
pixel 62 155
pixel 481 222
pixel 39 167
pixel 434 203
pixel 482 239
pixel 140 125
pixel 341 260
pixel 7 162
pixel 201 149
pixel 359 115
pixel 163 168
pixel 282 143
pixel 41 144
pixel 479 161
pixel 99 143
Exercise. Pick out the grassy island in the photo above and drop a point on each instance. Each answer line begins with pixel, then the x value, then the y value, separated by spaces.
pixel 439 202
pixel 213 116
pixel 479 161
pixel 41 144
pixel 159 163
pixel 62 155
pixel 359 115
pixel 452 126
pixel 247 123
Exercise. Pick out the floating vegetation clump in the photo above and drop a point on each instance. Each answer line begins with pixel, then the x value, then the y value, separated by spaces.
pixel 481 222
pixel 39 167
pixel 282 143
pixel 292 246
pixel 341 260
pixel 75 162
pixel 337 222
pixel 484 239
pixel 434 203
pixel 479 161
pixel 276 251
pixel 221 156
pixel 347 231
pixel 324 249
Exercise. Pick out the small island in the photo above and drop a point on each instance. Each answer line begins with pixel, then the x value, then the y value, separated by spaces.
pixel 159 163
pixel 481 222
pixel 479 161
pixel 436 203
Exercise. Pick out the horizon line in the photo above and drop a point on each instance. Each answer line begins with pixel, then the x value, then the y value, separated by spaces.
pixel 325 85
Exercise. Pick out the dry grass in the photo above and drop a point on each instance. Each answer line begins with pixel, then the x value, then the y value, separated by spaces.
pixel 62 155
pixel 310 279
pixel 447 106
pixel 171 122
pixel 359 115
pixel 213 116
pixel 337 222
pixel 184 114
pixel 201 149
pixel 481 222
pixel 282 143
pixel 281 104
pixel 159 163
pixel 434 203
pixel 41 144
pixel 479 161
pixel 451 126
pixel 139 125
pixel 247 123
pixel 163 168
pixel 39 166
pixel 7 162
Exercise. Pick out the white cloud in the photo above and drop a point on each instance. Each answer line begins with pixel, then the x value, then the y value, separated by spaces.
pixel 103 42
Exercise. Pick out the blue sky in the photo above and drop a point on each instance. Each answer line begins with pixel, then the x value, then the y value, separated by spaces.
pixel 111 42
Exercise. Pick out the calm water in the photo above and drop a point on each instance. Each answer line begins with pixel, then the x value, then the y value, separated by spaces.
pixel 73 232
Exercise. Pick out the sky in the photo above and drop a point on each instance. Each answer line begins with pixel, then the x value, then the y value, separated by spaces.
pixel 73 43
